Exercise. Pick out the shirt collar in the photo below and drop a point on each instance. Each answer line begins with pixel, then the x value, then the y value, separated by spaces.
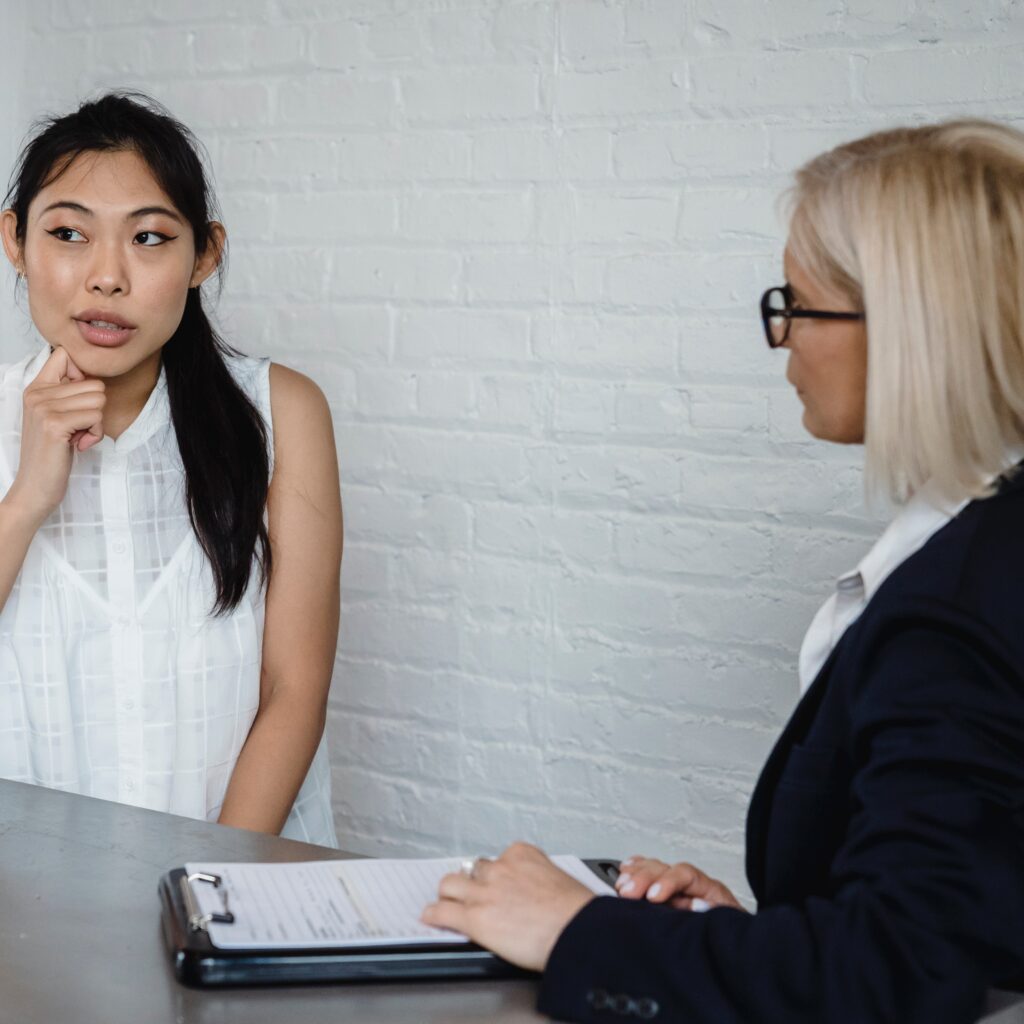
pixel 923 515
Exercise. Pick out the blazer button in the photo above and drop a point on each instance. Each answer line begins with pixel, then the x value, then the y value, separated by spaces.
pixel 622 1005
pixel 598 999
pixel 647 1009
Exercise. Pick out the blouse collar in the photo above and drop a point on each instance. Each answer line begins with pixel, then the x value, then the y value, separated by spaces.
pixel 924 514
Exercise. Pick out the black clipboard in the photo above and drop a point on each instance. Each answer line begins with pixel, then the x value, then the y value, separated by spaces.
pixel 197 962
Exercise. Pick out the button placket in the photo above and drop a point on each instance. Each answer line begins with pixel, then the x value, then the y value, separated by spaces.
pixel 125 632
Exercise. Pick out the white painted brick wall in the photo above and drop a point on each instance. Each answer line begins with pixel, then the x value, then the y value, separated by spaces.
pixel 519 244
pixel 14 328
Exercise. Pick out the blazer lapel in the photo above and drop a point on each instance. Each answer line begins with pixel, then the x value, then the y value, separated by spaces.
pixel 760 807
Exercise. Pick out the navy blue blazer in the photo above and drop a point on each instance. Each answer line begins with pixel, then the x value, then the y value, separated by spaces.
pixel 885 837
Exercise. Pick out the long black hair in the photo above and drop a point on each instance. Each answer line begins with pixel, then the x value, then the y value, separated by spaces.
pixel 221 434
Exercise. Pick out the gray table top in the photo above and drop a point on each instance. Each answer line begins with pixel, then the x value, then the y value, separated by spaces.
pixel 80 935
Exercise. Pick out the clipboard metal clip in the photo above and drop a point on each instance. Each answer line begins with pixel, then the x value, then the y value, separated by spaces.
pixel 197 920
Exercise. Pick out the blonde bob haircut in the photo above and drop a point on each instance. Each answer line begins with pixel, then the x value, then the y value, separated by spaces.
pixel 923 230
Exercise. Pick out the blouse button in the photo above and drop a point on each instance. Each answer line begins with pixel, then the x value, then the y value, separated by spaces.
pixel 119 547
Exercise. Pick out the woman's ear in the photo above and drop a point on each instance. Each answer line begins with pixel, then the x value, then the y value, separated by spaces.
pixel 9 234
pixel 209 259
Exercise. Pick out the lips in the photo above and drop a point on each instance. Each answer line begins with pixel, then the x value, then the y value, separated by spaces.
pixel 104 328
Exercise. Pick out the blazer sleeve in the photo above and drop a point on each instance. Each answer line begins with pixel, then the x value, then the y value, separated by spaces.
pixel 925 904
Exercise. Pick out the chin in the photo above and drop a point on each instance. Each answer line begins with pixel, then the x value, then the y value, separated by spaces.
pixel 836 433
pixel 822 431
pixel 95 361
pixel 812 426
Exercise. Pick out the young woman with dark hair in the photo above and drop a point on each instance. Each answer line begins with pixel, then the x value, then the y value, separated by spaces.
pixel 170 522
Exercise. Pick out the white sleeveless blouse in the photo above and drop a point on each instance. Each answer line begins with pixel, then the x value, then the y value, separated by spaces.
pixel 115 680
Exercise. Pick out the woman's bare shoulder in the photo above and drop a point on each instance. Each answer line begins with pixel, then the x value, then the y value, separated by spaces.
pixel 295 398
pixel 303 430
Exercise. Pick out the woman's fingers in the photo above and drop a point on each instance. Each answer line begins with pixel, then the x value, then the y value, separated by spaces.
pixel 517 905
pixel 448 914
pixel 57 369
pixel 677 886
pixel 85 439
pixel 78 406
pixel 684 882
pixel 54 370
pixel 73 372
pixel 74 399
pixel 678 880
pixel 62 411
pixel 456 886
pixel 67 388
pixel 638 874
pixel 65 424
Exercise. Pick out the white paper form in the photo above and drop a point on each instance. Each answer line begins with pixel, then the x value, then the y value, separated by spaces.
pixel 322 904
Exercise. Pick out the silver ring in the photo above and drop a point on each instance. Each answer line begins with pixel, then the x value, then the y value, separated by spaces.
pixel 469 866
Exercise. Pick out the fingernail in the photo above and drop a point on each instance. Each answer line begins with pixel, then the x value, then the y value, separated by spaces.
pixel 627 862
pixel 654 890
pixel 629 886
pixel 622 880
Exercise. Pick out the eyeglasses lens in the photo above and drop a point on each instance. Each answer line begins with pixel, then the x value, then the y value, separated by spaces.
pixel 777 308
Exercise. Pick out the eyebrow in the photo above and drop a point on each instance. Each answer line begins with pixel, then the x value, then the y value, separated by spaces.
pixel 142 211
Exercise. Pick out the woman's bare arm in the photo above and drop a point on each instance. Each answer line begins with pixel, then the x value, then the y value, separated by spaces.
pixel 300 632
pixel 17 528
pixel 303 600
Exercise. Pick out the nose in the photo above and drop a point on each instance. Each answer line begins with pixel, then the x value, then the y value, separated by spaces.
pixel 108 274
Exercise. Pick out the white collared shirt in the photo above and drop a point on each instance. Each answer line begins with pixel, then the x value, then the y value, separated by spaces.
pixel 917 522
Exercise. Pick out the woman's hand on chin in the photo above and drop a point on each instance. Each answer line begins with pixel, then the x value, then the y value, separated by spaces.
pixel 516 905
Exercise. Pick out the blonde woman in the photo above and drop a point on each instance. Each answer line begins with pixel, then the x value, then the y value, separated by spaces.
pixel 885 839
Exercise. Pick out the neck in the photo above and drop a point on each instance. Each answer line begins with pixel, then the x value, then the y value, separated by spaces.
pixel 127 394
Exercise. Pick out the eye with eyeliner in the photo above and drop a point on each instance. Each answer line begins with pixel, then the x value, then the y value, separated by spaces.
pixel 62 235
pixel 155 234
pixel 58 233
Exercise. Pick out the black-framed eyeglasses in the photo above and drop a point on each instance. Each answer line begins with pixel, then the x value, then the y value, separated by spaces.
pixel 778 312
